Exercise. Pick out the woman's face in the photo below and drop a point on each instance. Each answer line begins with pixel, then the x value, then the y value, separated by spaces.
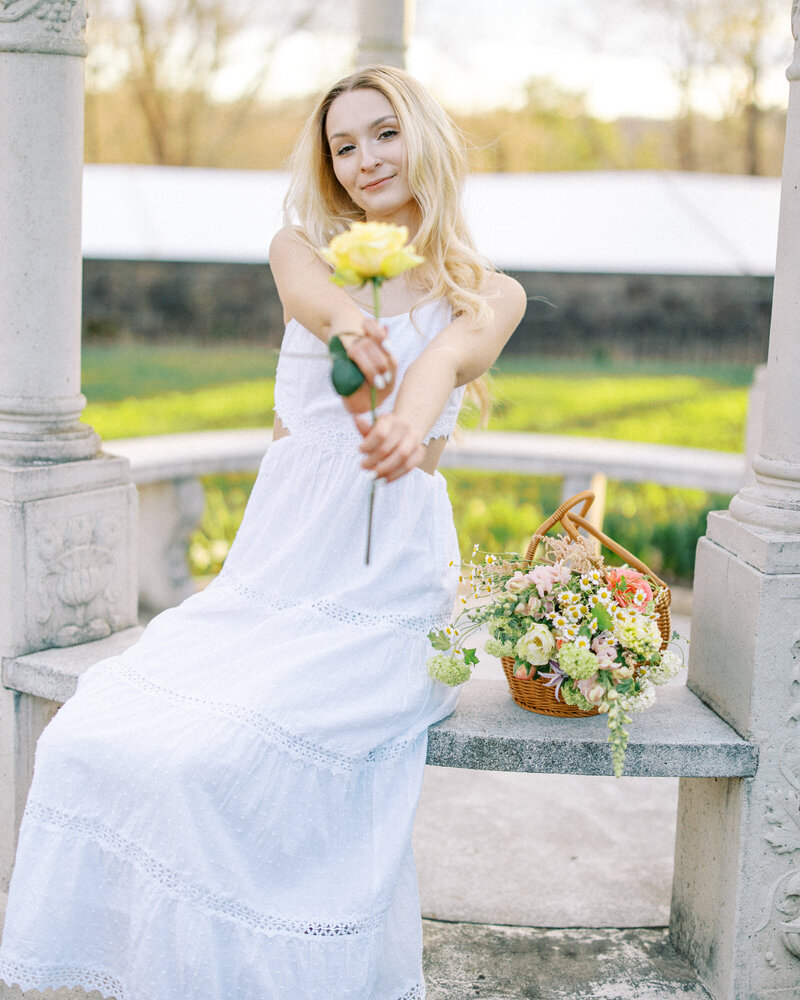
pixel 369 157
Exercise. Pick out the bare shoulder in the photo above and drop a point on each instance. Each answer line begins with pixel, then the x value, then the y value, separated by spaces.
pixel 290 246
pixel 507 292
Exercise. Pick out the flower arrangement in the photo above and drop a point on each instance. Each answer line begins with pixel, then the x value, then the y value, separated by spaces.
pixel 588 632
pixel 374 252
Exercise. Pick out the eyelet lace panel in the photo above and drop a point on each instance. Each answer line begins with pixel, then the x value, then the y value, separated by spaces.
pixel 175 885
pixel 414 624
pixel 274 734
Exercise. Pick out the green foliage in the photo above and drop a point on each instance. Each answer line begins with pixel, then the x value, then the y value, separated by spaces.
pixel 226 498
pixel 241 404
pixel 693 411
pixel 115 372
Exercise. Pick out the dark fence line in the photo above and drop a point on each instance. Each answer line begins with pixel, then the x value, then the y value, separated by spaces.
pixel 625 316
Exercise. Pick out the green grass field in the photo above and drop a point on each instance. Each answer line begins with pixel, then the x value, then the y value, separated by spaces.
pixel 141 390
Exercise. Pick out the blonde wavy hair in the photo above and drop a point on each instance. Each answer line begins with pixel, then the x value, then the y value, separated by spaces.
pixel 436 163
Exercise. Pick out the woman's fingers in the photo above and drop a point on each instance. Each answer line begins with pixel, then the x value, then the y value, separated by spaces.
pixel 377 364
pixel 390 448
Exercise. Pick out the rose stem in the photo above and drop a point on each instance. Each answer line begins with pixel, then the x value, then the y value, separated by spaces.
pixel 376 309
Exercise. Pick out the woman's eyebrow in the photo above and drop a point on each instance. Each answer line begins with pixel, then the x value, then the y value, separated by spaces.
pixel 378 121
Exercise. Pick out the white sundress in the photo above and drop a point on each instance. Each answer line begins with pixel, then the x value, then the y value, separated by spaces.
pixel 225 811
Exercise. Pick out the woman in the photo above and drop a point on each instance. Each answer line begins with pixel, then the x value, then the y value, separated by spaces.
pixel 225 811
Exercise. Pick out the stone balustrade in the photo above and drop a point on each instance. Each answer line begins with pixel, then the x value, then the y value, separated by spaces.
pixel 166 470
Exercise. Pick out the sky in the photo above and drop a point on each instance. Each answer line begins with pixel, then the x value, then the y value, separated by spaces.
pixel 476 54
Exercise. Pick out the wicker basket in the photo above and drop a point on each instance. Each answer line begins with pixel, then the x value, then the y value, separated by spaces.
pixel 531 693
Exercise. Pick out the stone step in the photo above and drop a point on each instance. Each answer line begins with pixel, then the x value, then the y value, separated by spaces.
pixel 490 962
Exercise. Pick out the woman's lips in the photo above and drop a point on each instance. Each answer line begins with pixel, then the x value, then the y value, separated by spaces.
pixel 376 184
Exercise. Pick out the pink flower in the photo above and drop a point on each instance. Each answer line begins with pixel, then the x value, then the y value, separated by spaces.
pixel 521 672
pixel 518 582
pixel 591 690
pixel 545 577
pixel 626 583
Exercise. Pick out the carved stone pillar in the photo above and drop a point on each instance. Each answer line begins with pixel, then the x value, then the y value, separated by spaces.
pixel 736 892
pixel 384 29
pixel 67 512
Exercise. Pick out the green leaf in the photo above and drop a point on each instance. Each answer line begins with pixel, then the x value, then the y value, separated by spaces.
pixel 439 639
pixel 336 347
pixel 469 657
pixel 346 376
pixel 604 621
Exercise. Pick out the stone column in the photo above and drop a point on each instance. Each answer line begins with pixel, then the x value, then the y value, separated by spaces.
pixel 736 892
pixel 67 511
pixel 384 29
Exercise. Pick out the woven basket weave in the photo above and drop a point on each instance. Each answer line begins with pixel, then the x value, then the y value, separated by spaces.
pixel 531 693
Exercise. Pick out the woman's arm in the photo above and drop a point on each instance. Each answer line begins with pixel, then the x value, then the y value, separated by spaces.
pixel 455 356
pixel 326 310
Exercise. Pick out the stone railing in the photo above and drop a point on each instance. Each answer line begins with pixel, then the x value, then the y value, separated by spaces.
pixel 166 470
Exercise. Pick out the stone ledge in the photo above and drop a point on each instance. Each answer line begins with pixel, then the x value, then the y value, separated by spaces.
pixel 173 456
pixel 53 673
pixel 678 737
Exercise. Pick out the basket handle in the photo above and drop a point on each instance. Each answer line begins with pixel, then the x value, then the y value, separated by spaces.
pixel 560 514
pixel 569 519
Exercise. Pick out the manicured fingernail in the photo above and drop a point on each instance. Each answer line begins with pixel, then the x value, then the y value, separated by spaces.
pixel 379 382
pixel 389 377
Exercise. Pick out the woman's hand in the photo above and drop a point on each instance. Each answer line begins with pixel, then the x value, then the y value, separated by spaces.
pixel 376 363
pixel 392 448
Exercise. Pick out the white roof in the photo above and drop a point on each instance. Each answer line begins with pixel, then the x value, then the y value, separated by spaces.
pixel 591 221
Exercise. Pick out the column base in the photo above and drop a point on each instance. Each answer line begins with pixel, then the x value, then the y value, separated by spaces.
pixel 735 909
pixel 73 444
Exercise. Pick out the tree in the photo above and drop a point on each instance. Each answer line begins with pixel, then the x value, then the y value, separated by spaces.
pixel 747 42
pixel 694 38
pixel 169 63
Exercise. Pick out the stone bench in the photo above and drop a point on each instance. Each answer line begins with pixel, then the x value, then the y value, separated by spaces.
pixel 678 737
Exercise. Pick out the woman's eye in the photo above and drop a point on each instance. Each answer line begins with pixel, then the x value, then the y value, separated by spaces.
pixel 344 149
pixel 388 133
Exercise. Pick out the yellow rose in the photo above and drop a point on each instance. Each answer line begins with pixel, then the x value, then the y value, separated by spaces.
pixel 370 251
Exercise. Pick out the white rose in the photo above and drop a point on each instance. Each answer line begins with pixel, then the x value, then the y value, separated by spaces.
pixel 537 645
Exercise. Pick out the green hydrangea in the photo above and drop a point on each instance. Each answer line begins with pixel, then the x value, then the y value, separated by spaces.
pixel 496 648
pixel 639 634
pixel 665 668
pixel 448 669
pixel 577 662
pixel 574 697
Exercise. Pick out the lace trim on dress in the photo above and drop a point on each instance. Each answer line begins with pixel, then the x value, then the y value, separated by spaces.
pixel 274 734
pixel 415 624
pixel 53 977
pixel 175 885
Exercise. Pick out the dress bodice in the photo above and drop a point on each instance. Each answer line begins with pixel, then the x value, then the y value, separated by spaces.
pixel 305 400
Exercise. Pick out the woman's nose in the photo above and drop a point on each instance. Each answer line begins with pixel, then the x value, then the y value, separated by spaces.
pixel 369 160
